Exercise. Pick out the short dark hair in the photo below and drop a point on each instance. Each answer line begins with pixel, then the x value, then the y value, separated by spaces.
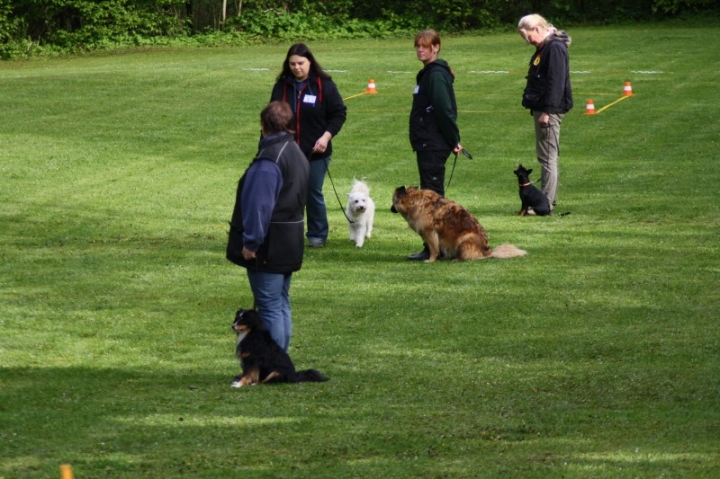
pixel 276 117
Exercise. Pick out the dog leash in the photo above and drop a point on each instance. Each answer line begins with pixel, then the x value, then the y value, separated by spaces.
pixel 467 155
pixel 327 168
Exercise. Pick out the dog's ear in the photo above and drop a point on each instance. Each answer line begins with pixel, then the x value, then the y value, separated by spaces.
pixel 397 194
pixel 529 171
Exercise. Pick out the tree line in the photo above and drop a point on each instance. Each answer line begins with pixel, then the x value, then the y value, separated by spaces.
pixel 31 27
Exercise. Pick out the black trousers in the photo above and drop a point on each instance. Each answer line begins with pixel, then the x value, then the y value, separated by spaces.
pixel 431 166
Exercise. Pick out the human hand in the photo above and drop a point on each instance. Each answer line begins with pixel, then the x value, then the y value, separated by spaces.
pixel 544 120
pixel 322 143
pixel 247 254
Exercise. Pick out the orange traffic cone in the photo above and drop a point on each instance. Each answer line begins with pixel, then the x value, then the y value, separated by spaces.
pixel 371 87
pixel 590 108
pixel 66 471
pixel 627 90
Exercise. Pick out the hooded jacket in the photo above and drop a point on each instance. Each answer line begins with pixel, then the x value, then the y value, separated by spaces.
pixel 548 87
pixel 434 111
pixel 318 107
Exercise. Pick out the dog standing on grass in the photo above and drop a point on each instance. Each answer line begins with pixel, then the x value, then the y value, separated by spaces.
pixel 533 200
pixel 446 227
pixel 261 359
pixel 360 212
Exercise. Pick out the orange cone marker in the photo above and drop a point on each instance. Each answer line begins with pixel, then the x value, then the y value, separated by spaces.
pixel 590 108
pixel 66 471
pixel 627 90
pixel 371 87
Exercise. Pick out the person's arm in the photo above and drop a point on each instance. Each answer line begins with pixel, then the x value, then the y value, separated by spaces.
pixel 260 193
pixel 439 90
pixel 556 77
pixel 336 111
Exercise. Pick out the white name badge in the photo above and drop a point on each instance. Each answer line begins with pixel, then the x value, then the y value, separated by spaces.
pixel 310 99
pixel 416 90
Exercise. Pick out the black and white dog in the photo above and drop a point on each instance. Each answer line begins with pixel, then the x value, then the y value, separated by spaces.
pixel 532 198
pixel 261 359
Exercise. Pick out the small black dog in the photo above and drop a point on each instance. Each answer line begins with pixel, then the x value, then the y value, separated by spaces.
pixel 261 359
pixel 530 196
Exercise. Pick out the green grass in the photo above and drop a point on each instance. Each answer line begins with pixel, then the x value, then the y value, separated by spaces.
pixel 594 356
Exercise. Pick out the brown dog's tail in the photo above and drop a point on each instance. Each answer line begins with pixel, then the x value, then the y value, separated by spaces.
pixel 505 251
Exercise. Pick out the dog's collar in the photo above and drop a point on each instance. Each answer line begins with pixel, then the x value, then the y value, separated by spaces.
pixel 527 184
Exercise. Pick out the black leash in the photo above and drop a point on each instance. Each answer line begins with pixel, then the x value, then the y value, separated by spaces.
pixel 452 172
pixel 342 208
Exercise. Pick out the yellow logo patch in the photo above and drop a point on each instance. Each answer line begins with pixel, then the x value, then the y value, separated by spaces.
pixel 537 61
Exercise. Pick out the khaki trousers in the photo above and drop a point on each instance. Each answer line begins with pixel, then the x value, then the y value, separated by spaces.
pixel 547 147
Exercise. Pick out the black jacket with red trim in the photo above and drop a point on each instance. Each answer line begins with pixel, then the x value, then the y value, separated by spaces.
pixel 318 108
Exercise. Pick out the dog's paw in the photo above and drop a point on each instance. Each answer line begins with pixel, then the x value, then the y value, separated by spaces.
pixel 237 384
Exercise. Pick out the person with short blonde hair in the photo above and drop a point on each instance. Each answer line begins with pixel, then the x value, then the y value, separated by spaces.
pixel 548 94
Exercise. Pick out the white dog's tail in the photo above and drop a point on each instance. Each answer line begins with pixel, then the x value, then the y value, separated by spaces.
pixel 505 251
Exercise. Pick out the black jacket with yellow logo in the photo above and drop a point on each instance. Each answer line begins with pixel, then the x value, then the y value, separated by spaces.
pixel 548 81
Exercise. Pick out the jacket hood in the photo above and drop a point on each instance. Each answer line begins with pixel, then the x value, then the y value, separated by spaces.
pixel 439 62
pixel 562 36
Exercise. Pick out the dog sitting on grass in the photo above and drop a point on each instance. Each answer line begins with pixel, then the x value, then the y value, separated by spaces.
pixel 448 229
pixel 534 201
pixel 261 359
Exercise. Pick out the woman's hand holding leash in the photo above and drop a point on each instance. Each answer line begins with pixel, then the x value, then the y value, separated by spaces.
pixel 322 143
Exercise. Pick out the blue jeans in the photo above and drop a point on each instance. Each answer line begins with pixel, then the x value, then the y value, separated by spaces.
pixel 272 300
pixel 317 222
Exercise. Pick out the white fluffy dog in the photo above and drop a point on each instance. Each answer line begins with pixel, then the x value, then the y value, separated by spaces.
pixel 360 212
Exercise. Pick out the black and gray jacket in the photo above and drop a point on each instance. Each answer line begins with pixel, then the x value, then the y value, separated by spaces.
pixel 433 115
pixel 282 249
pixel 548 87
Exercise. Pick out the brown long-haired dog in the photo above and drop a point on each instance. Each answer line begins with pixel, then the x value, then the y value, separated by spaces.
pixel 446 227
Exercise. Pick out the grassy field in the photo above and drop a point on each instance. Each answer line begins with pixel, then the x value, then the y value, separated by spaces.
pixel 597 355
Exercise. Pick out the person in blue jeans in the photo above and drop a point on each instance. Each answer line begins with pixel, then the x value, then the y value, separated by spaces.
pixel 319 115
pixel 266 230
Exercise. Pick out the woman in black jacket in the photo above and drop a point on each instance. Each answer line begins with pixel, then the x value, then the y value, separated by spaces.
pixel 547 95
pixel 319 115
